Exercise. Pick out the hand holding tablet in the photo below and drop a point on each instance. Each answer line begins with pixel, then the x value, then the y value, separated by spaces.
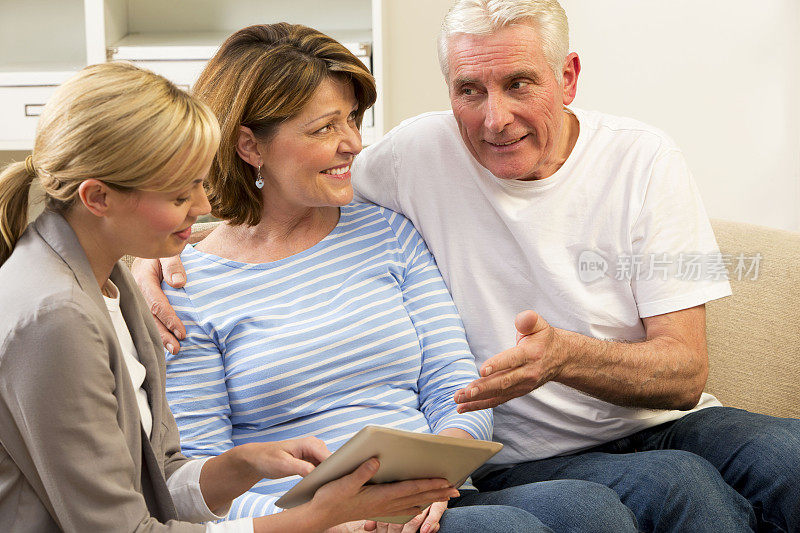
pixel 403 455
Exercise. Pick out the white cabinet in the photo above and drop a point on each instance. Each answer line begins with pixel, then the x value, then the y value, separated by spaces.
pixel 42 42
pixel 41 45
pixel 20 107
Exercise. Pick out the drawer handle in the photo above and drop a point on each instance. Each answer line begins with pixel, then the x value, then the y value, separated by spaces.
pixel 33 110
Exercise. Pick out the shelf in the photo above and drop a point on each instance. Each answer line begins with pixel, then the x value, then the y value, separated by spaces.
pixel 35 75
pixel 174 39
pixel 40 36
pixel 166 46
pixel 202 45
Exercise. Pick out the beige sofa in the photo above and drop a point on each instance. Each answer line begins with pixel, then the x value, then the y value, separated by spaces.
pixel 754 335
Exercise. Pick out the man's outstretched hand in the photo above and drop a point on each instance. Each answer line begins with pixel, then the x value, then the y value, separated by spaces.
pixel 517 371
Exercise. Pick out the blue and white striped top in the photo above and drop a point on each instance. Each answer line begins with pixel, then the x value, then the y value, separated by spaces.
pixel 358 329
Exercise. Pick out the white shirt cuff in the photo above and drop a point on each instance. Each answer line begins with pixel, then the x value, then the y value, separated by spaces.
pixel 240 525
pixel 184 487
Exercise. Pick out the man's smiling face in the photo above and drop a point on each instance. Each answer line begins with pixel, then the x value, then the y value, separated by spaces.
pixel 507 101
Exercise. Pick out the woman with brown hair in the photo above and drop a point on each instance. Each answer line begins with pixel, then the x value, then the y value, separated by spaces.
pixel 309 314
pixel 87 441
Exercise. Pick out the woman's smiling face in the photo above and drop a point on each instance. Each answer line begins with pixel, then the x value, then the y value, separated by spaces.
pixel 158 224
pixel 306 163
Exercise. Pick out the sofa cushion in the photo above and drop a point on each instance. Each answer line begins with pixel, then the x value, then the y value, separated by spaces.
pixel 754 335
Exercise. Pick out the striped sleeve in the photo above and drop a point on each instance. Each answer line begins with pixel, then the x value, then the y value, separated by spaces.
pixel 447 363
pixel 252 504
pixel 198 397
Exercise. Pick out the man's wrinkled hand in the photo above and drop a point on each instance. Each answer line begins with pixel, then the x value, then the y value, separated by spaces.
pixel 148 274
pixel 534 361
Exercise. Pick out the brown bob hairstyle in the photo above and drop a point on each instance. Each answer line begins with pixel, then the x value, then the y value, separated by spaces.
pixel 261 76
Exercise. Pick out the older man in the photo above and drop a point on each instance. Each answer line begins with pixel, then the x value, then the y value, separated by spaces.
pixel 591 221
pixel 591 226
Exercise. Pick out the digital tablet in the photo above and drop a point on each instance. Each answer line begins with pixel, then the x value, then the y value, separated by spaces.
pixel 403 455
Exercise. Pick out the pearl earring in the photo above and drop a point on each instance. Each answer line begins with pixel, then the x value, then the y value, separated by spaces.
pixel 260 180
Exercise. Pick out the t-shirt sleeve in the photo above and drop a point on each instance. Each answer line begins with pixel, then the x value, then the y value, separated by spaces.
pixel 679 264
pixel 374 175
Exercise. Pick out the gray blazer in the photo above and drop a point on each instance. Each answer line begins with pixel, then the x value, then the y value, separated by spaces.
pixel 73 455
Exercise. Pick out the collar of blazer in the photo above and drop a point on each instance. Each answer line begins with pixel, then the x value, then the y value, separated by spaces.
pixel 59 235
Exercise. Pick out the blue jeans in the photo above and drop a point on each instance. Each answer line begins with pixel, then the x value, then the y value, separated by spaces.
pixel 719 469
pixel 551 506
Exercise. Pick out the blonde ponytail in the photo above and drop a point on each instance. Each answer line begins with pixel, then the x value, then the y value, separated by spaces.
pixel 15 184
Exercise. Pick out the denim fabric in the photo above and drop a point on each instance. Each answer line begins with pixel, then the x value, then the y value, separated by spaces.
pixel 490 519
pixel 559 506
pixel 718 470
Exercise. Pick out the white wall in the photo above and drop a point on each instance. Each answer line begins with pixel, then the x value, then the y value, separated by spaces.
pixel 722 77
pixel 412 80
pixel 51 38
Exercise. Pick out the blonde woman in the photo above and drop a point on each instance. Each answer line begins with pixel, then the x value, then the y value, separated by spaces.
pixel 87 442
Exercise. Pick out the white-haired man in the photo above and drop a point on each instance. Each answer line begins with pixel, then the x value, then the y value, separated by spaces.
pixel 585 219
pixel 579 234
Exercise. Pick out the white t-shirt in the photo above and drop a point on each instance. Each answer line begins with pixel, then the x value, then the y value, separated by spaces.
pixel 623 197
pixel 135 368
